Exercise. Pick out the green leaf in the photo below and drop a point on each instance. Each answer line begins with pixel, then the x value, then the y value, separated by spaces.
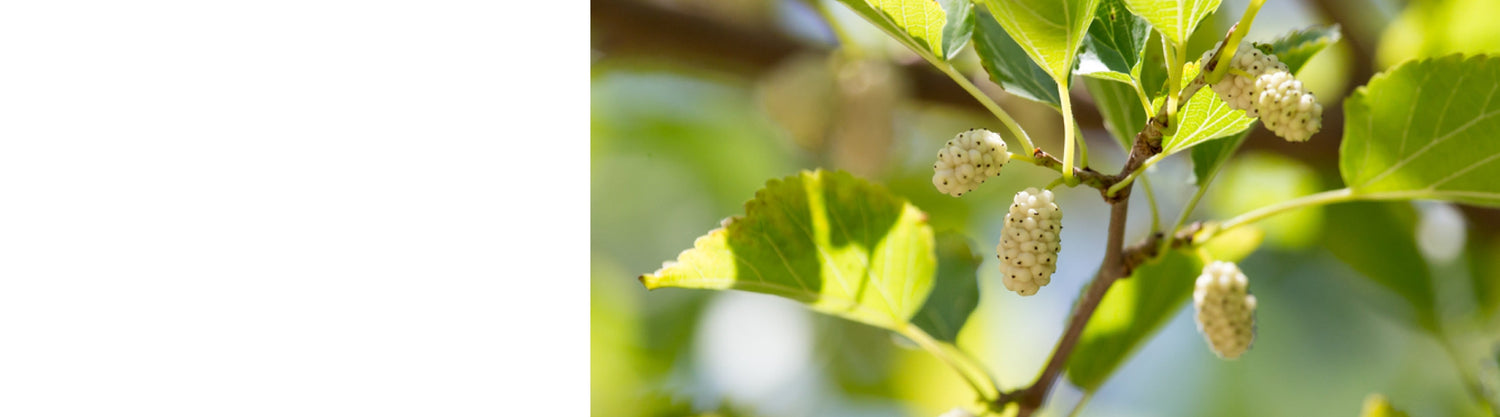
pixel 1426 130
pixel 1115 42
pixel 1009 66
pixel 1208 157
pixel 1153 74
pixel 1175 19
pixel 839 244
pixel 956 293
pixel 1378 239
pixel 959 27
pixel 1050 31
pixel 917 23
pixel 1297 47
pixel 1204 118
pixel 1120 106
pixel 1107 76
pixel 1132 310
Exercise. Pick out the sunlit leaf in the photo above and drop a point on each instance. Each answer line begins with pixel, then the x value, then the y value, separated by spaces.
pixel 1426 130
pixel 959 26
pixel 1050 31
pixel 1115 42
pixel 1009 66
pixel 1205 117
pixel 956 292
pixel 919 23
pixel 1175 19
pixel 839 244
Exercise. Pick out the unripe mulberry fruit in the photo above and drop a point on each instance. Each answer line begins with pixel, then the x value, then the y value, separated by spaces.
pixel 1225 309
pixel 1238 91
pixel 1286 108
pixel 1030 241
pixel 967 160
pixel 1270 92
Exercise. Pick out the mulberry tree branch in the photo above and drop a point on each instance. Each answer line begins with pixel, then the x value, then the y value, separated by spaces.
pixel 1118 261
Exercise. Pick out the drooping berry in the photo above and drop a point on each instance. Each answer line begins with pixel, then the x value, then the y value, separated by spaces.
pixel 1029 242
pixel 1263 87
pixel 1225 309
pixel 967 160
pixel 1286 108
pixel 1239 91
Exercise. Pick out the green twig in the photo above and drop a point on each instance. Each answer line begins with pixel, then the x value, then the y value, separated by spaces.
pixel 986 387
pixel 1010 123
pixel 1136 173
pixel 1151 201
pixel 1232 44
pixel 1326 197
pixel 1174 78
pixel 1069 135
pixel 1188 210
pixel 1055 183
pixel 1141 92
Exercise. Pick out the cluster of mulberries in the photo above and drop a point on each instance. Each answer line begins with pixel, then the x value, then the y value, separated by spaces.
pixel 1270 93
pixel 967 160
pixel 1287 108
pixel 1225 309
pixel 1029 242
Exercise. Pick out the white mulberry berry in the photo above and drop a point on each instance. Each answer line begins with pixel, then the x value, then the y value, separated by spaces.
pixel 967 160
pixel 1225 309
pixel 1286 108
pixel 1270 93
pixel 1030 241
pixel 1239 91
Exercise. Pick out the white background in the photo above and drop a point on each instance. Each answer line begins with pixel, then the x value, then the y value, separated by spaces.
pixel 293 208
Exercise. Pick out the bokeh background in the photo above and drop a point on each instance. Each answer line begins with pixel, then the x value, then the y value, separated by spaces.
pixel 696 103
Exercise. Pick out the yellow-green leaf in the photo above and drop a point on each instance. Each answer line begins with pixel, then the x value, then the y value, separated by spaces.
pixel 839 244
pixel 1426 130
pixel 1205 117
pixel 917 23
pixel 1115 42
pixel 1299 46
pixel 1009 66
pixel 1175 19
pixel 1050 31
